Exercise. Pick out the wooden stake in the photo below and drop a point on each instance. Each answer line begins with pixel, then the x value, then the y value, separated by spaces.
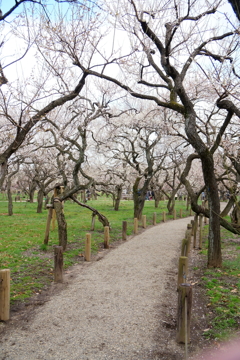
pixel 195 231
pixel 174 214
pixel 58 264
pixel 106 237
pixel 135 230
pixel 184 313
pixel 88 247
pixel 124 230
pixel 144 221
pixel 182 270
pixel 188 238
pixel 164 216
pixel 184 247
pixel 154 218
pixel 200 230
pixel 4 294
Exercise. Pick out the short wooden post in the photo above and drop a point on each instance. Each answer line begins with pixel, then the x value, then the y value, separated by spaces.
pixel 184 313
pixel 88 247
pixel 49 218
pixel 192 225
pixel 58 264
pixel 144 221
pixel 174 214
pixel 106 237
pixel 135 230
pixel 154 218
pixel 200 230
pixel 124 230
pixel 195 230
pixel 182 270
pixel 4 294
pixel 180 214
pixel 184 247
pixel 188 236
pixel 190 212
pixel 164 216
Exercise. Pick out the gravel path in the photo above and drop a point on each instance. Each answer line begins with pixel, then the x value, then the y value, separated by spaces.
pixel 111 309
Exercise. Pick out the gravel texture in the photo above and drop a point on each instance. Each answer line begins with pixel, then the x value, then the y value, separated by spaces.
pixel 108 309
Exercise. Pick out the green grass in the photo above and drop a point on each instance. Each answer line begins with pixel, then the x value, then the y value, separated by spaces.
pixel 31 262
pixel 222 288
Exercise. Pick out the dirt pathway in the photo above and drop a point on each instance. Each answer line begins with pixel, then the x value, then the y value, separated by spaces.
pixel 109 309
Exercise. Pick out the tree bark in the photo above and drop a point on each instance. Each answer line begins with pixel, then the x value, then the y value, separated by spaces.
pixel 10 201
pixel 229 205
pixel 40 201
pixel 31 194
pixel 214 238
pixel 139 197
pixel 118 198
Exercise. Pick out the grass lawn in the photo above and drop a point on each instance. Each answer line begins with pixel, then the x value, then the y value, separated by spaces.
pixel 223 289
pixel 31 262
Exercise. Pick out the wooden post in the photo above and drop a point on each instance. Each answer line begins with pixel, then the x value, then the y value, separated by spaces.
pixel 182 270
pixel 184 247
pixel 58 264
pixel 4 294
pixel 106 237
pixel 200 230
pixel 88 247
pixel 174 214
pixel 190 212
pixel 135 230
pixel 192 225
pixel 188 236
pixel 195 230
pixel 49 218
pixel 164 216
pixel 154 218
pixel 124 230
pixel 184 313
pixel 144 221
pixel 180 213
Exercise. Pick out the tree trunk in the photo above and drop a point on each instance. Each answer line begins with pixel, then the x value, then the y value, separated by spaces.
pixel 157 196
pixel 9 195
pixel 214 238
pixel 118 198
pixel 31 195
pixel 235 216
pixel 139 196
pixel 62 225
pixel 139 201
pixel 171 203
pixel 40 201
pixel 229 205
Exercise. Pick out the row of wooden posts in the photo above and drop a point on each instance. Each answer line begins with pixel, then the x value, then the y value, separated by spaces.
pixel 58 260
pixel 183 287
